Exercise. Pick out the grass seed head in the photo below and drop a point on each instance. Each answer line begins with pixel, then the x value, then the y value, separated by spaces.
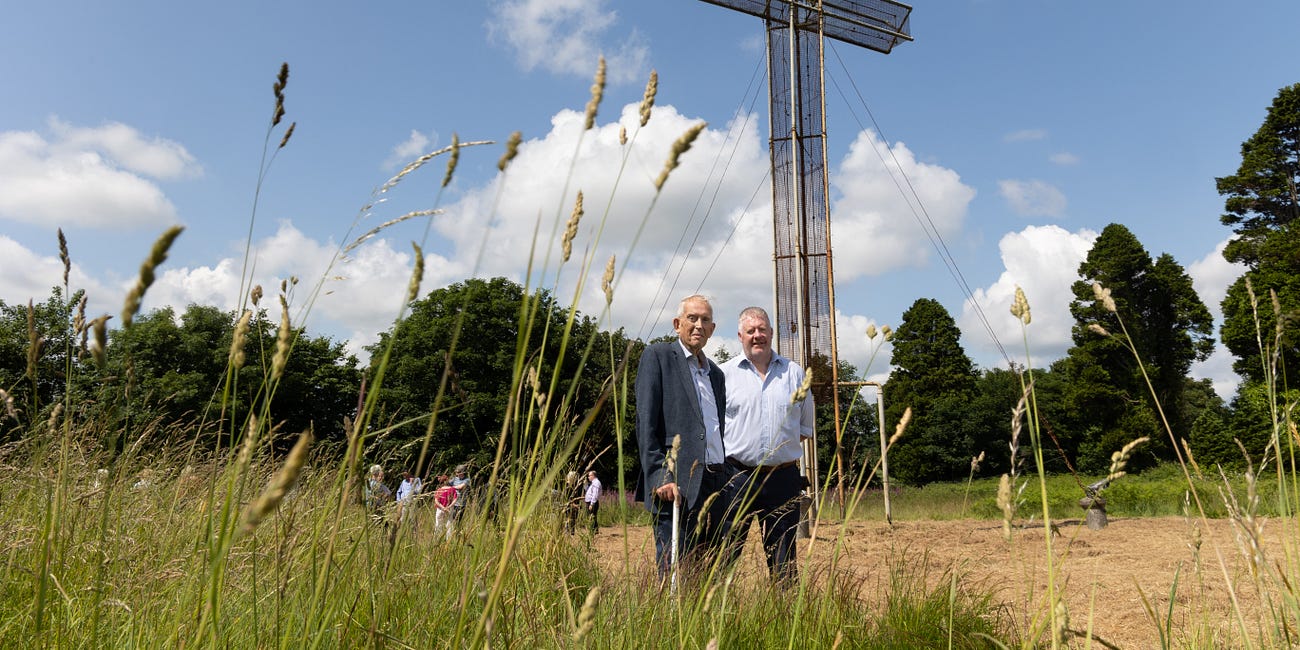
pixel 512 150
pixel 681 146
pixel 8 401
pixel 281 483
pixel 157 255
pixel 902 426
pixel 648 100
pixel 417 274
pixel 622 134
pixel 283 341
pixel 571 228
pixel 802 391
pixel 587 616
pixel 1097 329
pixel 887 332
pixel 99 327
pixel 872 332
pixel 607 282
pixel 597 92
pixel 256 294
pixel 240 337
pixel 1007 504
pixel 64 257
pixel 1020 306
pixel 1102 295
pixel 452 159
pixel 288 133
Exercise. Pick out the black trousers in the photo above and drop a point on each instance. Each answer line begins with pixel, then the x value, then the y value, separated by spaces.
pixel 772 498
pixel 703 529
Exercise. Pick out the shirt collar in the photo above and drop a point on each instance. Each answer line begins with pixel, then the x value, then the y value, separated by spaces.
pixel 691 357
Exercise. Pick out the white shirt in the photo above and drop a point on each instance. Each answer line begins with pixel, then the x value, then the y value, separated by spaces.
pixel 409 488
pixel 593 491
pixel 714 453
pixel 763 427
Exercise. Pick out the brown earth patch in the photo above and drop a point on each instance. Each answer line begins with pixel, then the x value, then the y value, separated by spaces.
pixel 1105 573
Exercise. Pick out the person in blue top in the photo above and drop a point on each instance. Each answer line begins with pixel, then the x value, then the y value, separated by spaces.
pixel 765 428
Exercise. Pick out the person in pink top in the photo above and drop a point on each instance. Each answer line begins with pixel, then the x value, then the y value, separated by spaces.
pixel 444 501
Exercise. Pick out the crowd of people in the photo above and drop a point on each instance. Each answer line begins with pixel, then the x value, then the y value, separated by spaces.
pixel 448 497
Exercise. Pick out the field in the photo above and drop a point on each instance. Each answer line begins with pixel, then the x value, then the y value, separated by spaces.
pixel 1109 573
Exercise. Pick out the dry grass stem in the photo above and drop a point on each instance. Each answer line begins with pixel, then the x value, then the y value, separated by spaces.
pixel 391 222
pixel 157 256
pixel 420 162
pixel 597 92
pixel 281 483
pixel 452 159
pixel 681 146
pixel 512 150
pixel 648 101
pixel 607 282
pixel 571 228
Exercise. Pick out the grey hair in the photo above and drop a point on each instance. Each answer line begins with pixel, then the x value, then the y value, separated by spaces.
pixel 752 312
pixel 681 306
pixel 376 470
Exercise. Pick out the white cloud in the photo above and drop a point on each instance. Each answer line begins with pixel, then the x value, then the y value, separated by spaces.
pixel 1025 135
pixel 1211 277
pixel 567 37
pixel 96 178
pixel 26 275
pixel 1044 262
pixel 1063 158
pixel 877 226
pixel 417 144
pixel 1033 198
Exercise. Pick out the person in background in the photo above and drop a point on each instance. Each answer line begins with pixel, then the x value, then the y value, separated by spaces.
pixel 460 481
pixel 376 493
pixel 407 490
pixel 444 500
pixel 592 499
pixel 765 431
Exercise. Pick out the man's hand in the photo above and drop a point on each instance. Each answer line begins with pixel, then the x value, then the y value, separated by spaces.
pixel 667 492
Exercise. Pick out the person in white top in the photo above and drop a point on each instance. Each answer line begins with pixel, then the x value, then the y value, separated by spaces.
pixel 592 499
pixel 407 490
pixel 765 429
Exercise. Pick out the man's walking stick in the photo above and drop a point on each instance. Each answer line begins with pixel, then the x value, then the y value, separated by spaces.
pixel 677 531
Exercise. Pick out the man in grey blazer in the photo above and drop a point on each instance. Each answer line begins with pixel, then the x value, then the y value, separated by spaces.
pixel 680 394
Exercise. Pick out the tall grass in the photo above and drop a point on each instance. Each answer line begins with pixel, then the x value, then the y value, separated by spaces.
pixel 149 545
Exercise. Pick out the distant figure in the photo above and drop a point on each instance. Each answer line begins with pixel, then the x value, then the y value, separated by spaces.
pixel 571 502
pixel 460 481
pixel 444 499
pixel 376 493
pixel 410 487
pixel 592 499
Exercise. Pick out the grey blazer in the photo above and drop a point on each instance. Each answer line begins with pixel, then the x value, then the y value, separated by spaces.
pixel 666 406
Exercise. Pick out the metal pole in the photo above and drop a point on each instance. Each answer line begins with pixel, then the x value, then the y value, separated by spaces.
pixel 884 441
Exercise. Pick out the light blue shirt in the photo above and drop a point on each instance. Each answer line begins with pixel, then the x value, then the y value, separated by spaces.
pixel 763 427
pixel 714 453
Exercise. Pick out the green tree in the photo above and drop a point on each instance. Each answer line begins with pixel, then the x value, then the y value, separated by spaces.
pixel 1262 207
pixel 480 374
pixel 933 376
pixel 1166 323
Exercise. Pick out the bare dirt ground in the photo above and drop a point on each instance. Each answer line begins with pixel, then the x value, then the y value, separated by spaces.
pixel 1104 572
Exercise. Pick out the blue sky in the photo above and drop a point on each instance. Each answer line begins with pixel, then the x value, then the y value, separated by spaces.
pixel 1024 127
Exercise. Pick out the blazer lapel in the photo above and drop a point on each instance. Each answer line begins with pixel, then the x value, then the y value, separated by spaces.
pixel 683 371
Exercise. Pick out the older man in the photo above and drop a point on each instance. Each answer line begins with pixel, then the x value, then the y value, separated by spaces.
pixel 680 395
pixel 764 434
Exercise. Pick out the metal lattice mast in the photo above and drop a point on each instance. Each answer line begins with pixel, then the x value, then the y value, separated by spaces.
pixel 805 298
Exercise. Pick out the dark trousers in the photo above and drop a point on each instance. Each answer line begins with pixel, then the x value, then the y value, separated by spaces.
pixel 771 498
pixel 593 507
pixel 702 529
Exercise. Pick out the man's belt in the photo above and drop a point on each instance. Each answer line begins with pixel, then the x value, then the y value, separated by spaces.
pixel 761 469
